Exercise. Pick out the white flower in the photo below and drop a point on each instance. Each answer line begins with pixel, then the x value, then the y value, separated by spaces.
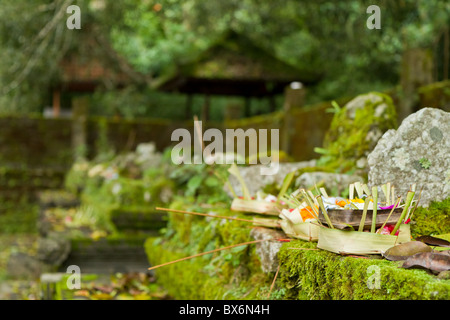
pixel 117 187
pixel 270 198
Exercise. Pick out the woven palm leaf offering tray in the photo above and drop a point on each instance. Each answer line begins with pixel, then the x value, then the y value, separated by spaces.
pixel 300 220
pixel 363 225
pixel 261 203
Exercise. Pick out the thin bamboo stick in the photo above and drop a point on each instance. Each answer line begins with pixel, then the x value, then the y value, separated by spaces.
pixel 364 214
pixel 415 206
pixel 351 190
pixel 384 189
pixel 273 282
pixel 208 252
pixel 374 208
pixel 204 214
pixel 324 211
pixel 393 194
pixel 408 201
pixel 323 192
pixel 388 194
pixel 311 203
pixel 359 189
pixel 366 189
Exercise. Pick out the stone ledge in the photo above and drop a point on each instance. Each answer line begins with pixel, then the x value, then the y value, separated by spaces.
pixel 310 274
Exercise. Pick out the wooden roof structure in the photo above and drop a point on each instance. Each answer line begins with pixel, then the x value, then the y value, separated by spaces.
pixel 234 65
pixel 92 64
pixel 95 63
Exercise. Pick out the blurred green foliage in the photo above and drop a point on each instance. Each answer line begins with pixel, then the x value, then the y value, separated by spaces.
pixel 328 37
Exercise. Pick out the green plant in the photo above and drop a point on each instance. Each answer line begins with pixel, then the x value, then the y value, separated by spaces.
pixel 203 181
pixel 425 163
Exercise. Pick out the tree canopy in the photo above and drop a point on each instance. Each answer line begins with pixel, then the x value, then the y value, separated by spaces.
pixel 323 36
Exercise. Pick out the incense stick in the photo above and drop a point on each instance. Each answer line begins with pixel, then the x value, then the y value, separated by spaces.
pixel 273 282
pixel 208 252
pixel 204 214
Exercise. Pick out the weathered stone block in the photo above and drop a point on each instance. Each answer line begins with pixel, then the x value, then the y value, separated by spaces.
pixel 268 250
pixel 418 152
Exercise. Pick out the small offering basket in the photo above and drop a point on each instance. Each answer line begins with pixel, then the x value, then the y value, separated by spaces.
pixel 360 243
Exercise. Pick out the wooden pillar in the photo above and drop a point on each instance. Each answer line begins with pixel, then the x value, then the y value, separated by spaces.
pixel 416 71
pixel 272 103
pixel 205 109
pixel 247 106
pixel 446 53
pixel 232 111
pixel 80 107
pixel 293 99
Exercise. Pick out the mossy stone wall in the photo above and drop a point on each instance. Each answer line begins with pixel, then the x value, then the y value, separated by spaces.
pixel 436 95
pixel 315 275
pixel 304 273
pixel 35 142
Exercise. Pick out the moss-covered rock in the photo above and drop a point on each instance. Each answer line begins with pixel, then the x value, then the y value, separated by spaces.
pixel 355 130
pixel 433 220
pixel 224 275
pixel 310 274
pixel 230 274
pixel 304 274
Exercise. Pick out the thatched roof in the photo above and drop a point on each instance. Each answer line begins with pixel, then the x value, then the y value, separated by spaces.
pixel 94 62
pixel 234 65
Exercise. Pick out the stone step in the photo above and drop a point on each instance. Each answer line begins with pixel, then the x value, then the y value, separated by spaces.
pixel 135 219
pixel 108 255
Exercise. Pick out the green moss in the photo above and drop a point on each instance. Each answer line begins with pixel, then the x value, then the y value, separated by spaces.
pixel 304 274
pixel 60 198
pixel 314 275
pixel 207 277
pixel 76 177
pixel 435 95
pixel 18 217
pixel 228 274
pixel 433 220
pixel 117 239
pixel 137 219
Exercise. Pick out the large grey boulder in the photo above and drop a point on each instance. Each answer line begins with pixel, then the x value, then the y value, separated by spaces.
pixel 417 152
